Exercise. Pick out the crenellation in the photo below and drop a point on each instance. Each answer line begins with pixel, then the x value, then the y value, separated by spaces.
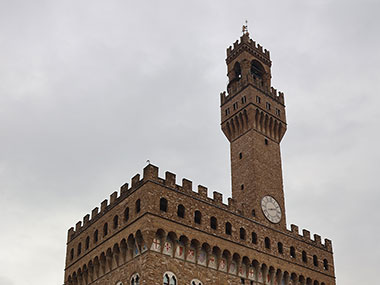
pixel 218 197
pixel 306 234
pixel 231 204
pixel 86 219
pixel 124 189
pixel 328 244
pixel 260 48
pixel 135 180
pixel 202 191
pixel 294 229
pixel 229 50
pixel 236 44
pixel 150 172
pixel 113 197
pixel 281 98
pixel 103 205
pixel 94 212
pixel 70 234
pixel 317 239
pixel 170 179
pixel 78 226
pixel 187 185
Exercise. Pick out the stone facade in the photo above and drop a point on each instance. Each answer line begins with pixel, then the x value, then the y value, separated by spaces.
pixel 157 231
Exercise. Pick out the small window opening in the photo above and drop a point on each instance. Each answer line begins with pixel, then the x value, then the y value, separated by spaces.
pixel 267 243
pixel 72 254
pixel 197 217
pixel 325 264
pixel 242 280
pixel 267 105
pixel 266 141
pixel 235 105
pixel 181 211
pixel 240 155
pixel 227 111
pixel 242 186
pixel 257 70
pixel 138 206
pixel 253 213
pixel 304 256
pixel 258 99
pixel 254 238
pixel 87 243
pixel 244 100
pixel 213 223
pixel 79 249
pixel 278 112
pixel 228 228
pixel 115 222
pixel 163 205
pixel 280 248
pixel 292 252
pixel 242 234
pixel 105 229
pixel 126 214
pixel 96 236
pixel 315 260
pixel 237 71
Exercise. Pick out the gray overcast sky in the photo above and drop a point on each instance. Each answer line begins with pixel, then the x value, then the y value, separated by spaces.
pixel 89 90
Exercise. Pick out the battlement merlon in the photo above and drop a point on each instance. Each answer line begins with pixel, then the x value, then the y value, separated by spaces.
pixel 150 173
pixel 250 46
pixel 277 96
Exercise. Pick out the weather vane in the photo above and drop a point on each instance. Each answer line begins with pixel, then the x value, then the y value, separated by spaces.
pixel 245 28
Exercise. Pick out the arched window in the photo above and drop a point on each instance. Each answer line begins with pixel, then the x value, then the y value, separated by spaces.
pixel 181 211
pixel 196 282
pixel 242 234
pixel 280 248
pixel 228 228
pixel 237 71
pixel 213 223
pixel 138 206
pixel 304 256
pixel 126 214
pixel 253 213
pixel 325 264
pixel 170 278
pixel 254 238
pixel 72 254
pixel 292 252
pixel 197 217
pixel 105 229
pixel 87 242
pixel 315 260
pixel 115 222
pixel 96 236
pixel 79 249
pixel 163 205
pixel 135 279
pixel 267 243
pixel 257 69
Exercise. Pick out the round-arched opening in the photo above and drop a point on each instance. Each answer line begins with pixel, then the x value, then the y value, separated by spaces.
pixel 257 69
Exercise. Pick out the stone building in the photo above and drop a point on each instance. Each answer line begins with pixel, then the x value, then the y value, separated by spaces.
pixel 160 231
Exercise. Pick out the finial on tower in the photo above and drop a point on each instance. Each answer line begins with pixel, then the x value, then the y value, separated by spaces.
pixel 245 28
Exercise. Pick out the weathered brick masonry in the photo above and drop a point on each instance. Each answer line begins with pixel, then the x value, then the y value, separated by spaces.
pixel 157 231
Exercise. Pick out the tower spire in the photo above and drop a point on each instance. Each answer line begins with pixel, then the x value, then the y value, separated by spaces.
pixel 245 28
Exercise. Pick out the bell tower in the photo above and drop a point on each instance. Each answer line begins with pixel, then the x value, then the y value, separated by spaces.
pixel 253 120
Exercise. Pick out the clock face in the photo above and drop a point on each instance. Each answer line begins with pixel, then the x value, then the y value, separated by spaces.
pixel 271 209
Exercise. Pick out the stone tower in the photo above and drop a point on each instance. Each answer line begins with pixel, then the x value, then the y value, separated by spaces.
pixel 253 120
pixel 161 231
